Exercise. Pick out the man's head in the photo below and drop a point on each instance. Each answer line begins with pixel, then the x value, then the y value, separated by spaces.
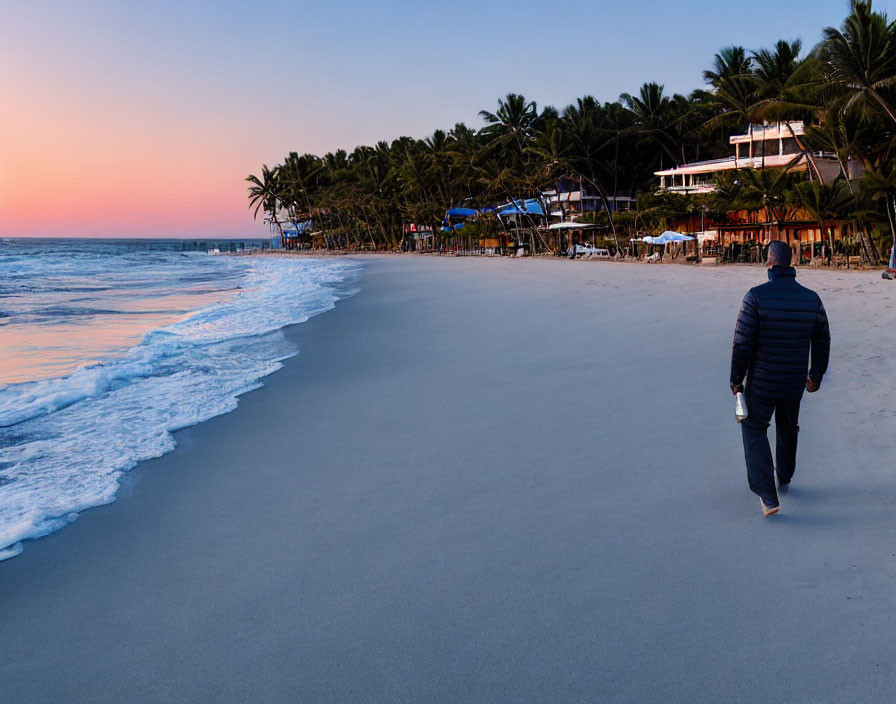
pixel 778 253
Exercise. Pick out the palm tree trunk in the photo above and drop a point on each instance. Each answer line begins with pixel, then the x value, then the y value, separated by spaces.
pixel 873 254
pixel 615 171
pixel 809 158
pixel 603 198
pixel 883 103
pixel 863 243
pixel 890 206
pixel 845 173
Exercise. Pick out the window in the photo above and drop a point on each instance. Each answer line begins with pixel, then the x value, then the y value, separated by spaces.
pixel 766 147
pixel 790 146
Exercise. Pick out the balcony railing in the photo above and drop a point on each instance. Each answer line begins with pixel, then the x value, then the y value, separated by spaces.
pixel 695 188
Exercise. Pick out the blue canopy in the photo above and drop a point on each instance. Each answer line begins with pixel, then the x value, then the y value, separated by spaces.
pixel 530 206
pixel 460 213
pixel 297 229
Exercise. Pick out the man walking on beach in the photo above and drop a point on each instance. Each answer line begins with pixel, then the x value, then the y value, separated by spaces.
pixel 779 323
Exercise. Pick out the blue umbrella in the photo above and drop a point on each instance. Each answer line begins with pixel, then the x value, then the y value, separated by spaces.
pixel 530 207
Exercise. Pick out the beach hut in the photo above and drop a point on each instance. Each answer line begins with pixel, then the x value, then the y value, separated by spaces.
pixel 521 215
pixel 566 230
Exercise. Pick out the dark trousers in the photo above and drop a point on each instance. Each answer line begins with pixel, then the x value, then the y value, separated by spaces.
pixel 760 468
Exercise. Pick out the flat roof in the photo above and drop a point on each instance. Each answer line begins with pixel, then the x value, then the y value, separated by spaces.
pixel 708 167
pixel 759 133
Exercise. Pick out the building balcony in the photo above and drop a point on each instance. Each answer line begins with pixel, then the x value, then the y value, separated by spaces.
pixel 759 133
pixel 689 190
pixel 695 178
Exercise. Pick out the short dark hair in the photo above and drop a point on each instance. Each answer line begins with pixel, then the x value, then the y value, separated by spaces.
pixel 779 253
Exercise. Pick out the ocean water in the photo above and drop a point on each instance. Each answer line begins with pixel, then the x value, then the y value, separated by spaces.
pixel 107 347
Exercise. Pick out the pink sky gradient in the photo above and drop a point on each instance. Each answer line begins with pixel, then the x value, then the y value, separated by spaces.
pixel 120 171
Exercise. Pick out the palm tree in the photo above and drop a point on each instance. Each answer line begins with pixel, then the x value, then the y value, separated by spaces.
pixel 860 58
pixel 726 197
pixel 731 62
pixel 464 147
pixel 437 149
pixel 840 134
pixel 774 69
pixel 588 140
pixel 769 189
pixel 413 169
pixel 825 203
pixel 880 184
pixel 552 148
pixel 733 88
pixel 866 213
pixel 297 177
pixel 512 123
pixel 265 193
pixel 651 111
pixel 336 161
pixel 781 78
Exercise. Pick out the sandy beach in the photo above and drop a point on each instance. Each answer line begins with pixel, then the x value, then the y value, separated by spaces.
pixel 491 480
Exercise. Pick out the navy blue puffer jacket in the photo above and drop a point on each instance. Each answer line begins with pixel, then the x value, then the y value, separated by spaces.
pixel 779 322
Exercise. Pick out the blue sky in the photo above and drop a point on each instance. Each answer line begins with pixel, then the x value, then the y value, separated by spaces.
pixel 180 100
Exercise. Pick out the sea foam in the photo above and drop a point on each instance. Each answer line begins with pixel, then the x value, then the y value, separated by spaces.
pixel 65 442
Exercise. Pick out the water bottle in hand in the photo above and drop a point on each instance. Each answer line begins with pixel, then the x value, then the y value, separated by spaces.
pixel 740 407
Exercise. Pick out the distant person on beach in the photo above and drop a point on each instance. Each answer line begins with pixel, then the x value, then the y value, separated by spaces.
pixel 781 327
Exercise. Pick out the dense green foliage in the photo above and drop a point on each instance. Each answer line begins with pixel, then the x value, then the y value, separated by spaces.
pixel 844 90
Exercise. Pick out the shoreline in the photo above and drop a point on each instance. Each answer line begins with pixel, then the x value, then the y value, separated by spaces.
pixel 541 257
pixel 448 491
pixel 67 439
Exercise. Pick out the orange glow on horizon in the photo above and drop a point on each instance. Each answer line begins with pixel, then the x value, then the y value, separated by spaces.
pixel 77 179
pixel 69 167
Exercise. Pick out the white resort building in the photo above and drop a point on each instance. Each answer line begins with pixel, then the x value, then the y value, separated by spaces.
pixel 762 147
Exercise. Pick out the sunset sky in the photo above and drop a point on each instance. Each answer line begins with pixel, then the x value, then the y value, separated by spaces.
pixel 135 118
